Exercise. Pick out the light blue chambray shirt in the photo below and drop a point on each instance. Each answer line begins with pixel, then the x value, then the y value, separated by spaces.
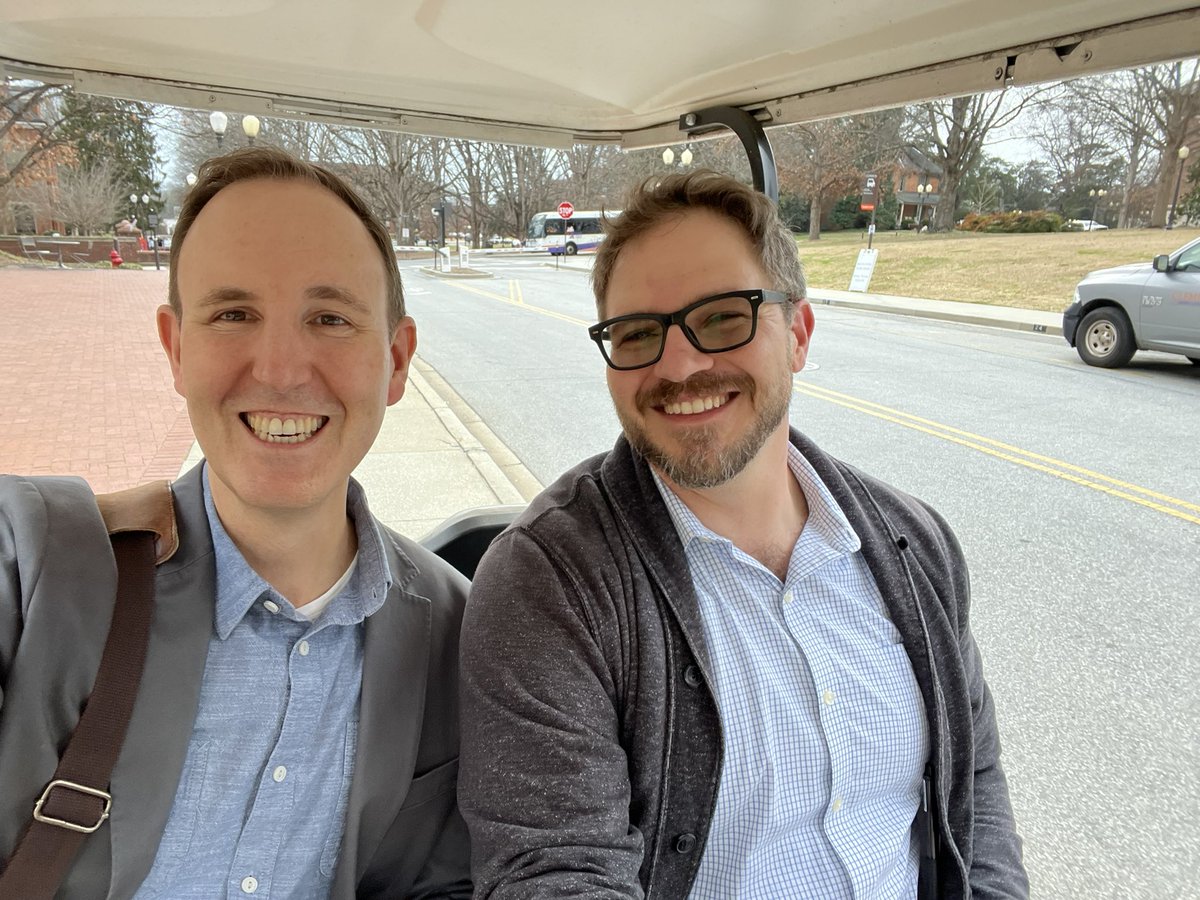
pixel 261 804
pixel 825 737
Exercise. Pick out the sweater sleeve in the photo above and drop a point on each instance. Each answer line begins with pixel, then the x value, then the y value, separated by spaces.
pixel 544 783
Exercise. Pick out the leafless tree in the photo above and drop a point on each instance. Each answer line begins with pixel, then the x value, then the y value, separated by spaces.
pixel 525 182
pixel 1126 100
pixel 1175 92
pixel 819 161
pixel 394 172
pixel 31 132
pixel 88 200
pixel 953 132
pixel 1075 137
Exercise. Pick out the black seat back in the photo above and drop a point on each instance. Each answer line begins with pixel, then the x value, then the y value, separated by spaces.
pixel 462 539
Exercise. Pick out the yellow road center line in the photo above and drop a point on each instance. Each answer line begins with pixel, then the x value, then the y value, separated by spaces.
pixel 520 304
pixel 1008 453
pixel 998 449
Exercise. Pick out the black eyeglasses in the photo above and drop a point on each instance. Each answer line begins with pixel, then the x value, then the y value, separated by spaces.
pixel 712 325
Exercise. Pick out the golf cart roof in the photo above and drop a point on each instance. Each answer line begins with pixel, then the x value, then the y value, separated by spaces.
pixel 621 71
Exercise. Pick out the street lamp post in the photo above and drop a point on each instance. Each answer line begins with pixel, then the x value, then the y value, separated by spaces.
pixel 440 212
pixel 1097 196
pixel 922 190
pixel 1184 152
pixel 152 219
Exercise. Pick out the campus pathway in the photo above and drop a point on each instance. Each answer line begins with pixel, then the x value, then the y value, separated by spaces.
pixel 84 388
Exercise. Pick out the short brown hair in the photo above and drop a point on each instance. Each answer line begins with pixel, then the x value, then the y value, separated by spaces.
pixel 250 163
pixel 658 199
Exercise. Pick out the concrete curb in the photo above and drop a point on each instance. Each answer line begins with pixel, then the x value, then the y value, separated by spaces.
pixel 471 273
pixel 505 474
pixel 968 314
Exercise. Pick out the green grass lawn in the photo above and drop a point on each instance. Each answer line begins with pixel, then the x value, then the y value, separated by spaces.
pixel 1035 271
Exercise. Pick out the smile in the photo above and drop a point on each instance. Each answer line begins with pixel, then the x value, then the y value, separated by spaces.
pixel 692 407
pixel 283 430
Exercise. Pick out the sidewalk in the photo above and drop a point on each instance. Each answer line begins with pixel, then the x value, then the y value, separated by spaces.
pixel 945 310
pixel 85 390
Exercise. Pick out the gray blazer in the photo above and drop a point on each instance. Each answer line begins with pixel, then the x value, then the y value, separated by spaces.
pixel 404 836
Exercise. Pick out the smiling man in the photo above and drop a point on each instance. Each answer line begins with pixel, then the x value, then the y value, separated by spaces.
pixel 716 662
pixel 295 734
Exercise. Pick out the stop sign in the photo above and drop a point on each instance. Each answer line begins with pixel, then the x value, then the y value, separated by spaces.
pixel 566 209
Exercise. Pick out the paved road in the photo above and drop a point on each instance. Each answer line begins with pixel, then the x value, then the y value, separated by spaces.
pixel 1075 493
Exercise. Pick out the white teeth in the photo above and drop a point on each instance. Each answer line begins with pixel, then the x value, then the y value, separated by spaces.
pixel 691 407
pixel 292 430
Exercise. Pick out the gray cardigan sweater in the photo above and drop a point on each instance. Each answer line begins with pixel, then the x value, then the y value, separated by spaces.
pixel 591 738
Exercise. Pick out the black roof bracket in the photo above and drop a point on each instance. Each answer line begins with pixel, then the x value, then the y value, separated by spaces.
pixel 750 131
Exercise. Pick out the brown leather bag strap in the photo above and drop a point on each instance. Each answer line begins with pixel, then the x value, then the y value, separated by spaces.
pixel 76 802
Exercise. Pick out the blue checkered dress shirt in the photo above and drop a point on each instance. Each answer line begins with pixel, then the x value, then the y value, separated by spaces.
pixel 261 804
pixel 824 731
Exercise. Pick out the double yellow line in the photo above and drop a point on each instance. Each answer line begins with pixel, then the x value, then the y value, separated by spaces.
pixel 516 298
pixel 1171 506
pixel 1123 490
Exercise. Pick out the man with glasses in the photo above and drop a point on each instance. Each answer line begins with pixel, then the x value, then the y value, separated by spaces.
pixel 716 662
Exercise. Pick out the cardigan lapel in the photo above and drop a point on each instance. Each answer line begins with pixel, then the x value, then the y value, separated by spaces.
pixel 391 707
pixel 147 772
pixel 641 511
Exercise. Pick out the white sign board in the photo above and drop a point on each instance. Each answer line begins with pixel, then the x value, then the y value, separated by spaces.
pixel 863 269
pixel 464 255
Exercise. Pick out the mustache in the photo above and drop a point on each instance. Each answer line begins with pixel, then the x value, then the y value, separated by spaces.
pixel 701 383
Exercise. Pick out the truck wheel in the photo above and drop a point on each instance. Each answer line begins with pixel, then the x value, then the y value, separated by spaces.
pixel 1105 338
pixel 572 249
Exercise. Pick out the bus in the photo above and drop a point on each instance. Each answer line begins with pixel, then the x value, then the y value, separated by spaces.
pixel 584 231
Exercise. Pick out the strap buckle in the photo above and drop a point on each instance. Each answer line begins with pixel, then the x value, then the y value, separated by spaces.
pixel 64 823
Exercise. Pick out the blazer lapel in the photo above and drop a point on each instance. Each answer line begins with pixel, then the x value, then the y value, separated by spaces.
pixel 391 709
pixel 147 772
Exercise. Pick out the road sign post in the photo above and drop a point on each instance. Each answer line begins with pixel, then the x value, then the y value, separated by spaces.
pixel 566 209
pixel 868 203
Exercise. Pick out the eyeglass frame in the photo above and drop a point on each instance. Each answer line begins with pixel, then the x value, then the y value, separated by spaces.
pixel 755 296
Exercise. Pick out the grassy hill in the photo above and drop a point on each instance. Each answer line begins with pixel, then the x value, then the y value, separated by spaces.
pixel 1035 271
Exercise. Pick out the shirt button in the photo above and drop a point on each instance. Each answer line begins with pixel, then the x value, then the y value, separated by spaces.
pixel 280 773
pixel 787 598
pixel 828 698
pixel 691 676
pixel 271 606
pixel 303 648
pixel 685 843
pixel 837 804
pixel 249 884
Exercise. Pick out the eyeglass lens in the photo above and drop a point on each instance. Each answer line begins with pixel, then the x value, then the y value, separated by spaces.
pixel 719 324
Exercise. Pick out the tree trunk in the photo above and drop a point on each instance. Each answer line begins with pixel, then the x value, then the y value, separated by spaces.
pixel 814 219
pixel 943 213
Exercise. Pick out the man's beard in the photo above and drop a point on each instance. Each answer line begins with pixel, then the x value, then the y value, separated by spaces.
pixel 701 462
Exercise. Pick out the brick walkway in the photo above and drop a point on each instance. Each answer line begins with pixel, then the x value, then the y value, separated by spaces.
pixel 84 386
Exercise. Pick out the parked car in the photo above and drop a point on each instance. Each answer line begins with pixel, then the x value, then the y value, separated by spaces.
pixel 1143 306
pixel 1085 225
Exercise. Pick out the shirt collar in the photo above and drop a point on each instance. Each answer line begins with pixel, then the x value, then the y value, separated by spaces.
pixel 239 586
pixel 824 514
